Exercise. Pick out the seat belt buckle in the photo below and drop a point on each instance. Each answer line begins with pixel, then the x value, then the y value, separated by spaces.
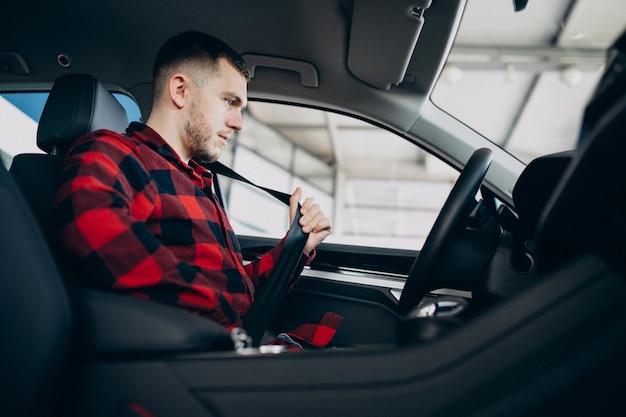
pixel 241 339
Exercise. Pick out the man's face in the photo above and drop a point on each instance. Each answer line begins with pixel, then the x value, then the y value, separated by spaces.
pixel 215 113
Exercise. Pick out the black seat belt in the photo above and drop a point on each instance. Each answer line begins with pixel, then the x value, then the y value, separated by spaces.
pixel 219 168
pixel 269 295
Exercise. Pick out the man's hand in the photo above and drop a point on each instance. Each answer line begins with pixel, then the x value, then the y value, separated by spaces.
pixel 313 220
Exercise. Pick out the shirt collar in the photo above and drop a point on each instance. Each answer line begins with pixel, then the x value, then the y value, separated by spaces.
pixel 153 140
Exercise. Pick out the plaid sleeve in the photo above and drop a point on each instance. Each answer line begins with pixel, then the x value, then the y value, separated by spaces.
pixel 103 195
pixel 316 333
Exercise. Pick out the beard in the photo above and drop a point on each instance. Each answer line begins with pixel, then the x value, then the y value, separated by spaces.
pixel 199 136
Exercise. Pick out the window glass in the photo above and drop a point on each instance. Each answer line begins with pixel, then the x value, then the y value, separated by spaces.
pixel 523 79
pixel 20 113
pixel 130 105
pixel 19 131
pixel 251 210
pixel 379 189
pixel 316 171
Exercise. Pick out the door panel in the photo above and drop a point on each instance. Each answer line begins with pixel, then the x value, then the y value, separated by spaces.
pixel 354 282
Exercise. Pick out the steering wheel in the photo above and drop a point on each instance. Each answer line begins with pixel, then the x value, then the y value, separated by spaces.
pixel 451 219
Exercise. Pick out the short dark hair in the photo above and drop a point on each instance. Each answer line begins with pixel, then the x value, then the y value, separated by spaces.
pixel 198 48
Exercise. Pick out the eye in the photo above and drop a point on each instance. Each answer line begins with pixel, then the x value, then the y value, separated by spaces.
pixel 229 101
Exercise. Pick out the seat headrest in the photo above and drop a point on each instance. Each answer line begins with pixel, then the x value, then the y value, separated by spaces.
pixel 78 104
pixel 535 186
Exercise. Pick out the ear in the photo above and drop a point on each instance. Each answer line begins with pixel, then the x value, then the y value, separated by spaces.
pixel 179 89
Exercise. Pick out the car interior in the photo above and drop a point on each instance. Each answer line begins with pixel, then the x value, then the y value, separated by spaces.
pixel 543 332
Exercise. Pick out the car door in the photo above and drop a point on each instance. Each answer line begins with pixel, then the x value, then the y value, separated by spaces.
pixel 381 191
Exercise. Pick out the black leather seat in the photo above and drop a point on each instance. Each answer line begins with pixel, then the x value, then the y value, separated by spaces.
pixel 78 104
pixel 534 187
pixel 44 322
pixel 34 302
pixel 35 311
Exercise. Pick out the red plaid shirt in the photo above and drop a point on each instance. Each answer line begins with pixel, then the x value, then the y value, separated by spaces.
pixel 135 217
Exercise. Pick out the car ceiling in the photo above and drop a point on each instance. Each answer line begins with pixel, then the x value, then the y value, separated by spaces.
pixel 117 41
pixel 126 34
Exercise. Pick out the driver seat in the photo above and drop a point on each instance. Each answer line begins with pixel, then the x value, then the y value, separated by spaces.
pixel 47 323
pixel 78 104
pixel 35 310
pixel 34 302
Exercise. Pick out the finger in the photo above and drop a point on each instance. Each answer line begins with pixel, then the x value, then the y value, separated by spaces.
pixel 307 205
pixel 309 211
pixel 315 238
pixel 323 226
pixel 317 223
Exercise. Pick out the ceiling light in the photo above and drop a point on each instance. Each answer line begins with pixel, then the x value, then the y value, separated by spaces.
pixel 571 75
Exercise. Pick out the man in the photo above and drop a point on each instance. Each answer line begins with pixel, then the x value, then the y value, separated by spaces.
pixel 137 211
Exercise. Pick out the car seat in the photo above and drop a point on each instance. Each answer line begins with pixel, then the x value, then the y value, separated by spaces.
pixel 34 302
pixel 35 311
pixel 587 210
pixel 46 323
pixel 78 104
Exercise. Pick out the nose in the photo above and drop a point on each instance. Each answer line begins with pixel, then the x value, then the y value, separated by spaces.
pixel 235 121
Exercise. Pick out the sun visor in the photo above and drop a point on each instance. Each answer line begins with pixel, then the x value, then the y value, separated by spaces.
pixel 383 35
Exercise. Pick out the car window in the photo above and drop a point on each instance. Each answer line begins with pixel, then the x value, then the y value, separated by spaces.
pixel 20 113
pixel 379 189
pixel 376 195
pixel 523 80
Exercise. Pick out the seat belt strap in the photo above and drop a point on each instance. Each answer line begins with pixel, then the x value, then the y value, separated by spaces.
pixel 270 294
pixel 219 168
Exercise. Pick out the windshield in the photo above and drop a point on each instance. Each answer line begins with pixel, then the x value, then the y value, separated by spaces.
pixel 523 79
